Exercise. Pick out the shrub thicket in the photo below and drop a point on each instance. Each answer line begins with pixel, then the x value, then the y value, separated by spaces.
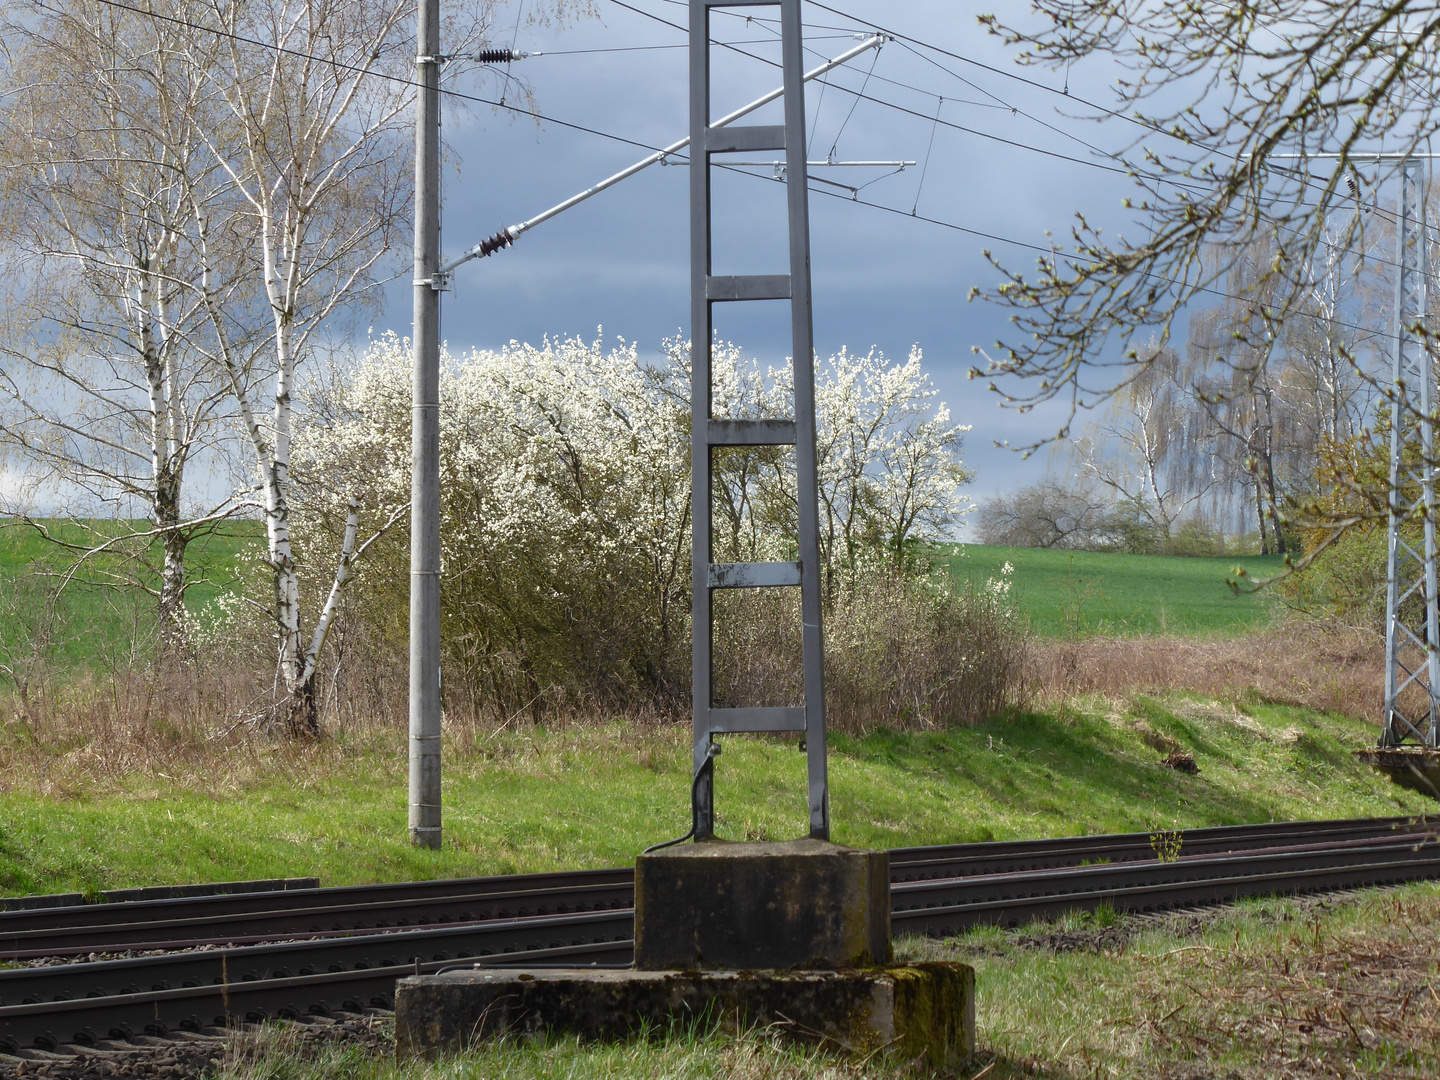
pixel 565 491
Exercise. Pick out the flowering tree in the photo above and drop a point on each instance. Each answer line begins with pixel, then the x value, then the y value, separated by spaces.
pixel 565 499
pixel 888 455
pixel 564 507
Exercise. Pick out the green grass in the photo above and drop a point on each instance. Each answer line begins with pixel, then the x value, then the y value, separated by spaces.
pixel 1072 594
pixel 1262 988
pixel 275 1053
pixel 93 619
pixel 595 796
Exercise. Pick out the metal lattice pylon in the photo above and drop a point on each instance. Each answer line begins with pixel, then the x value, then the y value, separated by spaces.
pixel 709 432
pixel 1412 629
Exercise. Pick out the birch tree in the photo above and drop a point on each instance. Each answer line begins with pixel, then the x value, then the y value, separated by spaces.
pixel 109 397
pixel 1143 446
pixel 316 142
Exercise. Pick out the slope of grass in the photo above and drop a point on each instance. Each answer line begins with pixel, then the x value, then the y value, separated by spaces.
pixel 1071 594
pixel 595 796
pixel 1303 987
pixel 91 619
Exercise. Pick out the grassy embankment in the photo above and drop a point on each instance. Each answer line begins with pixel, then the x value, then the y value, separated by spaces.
pixel 594 796
pixel 1271 988
pixel 1069 594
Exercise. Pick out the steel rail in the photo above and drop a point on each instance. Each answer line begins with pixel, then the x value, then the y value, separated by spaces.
pixel 162 973
pixel 87 1021
pixel 253 917
pixel 1164 895
pixel 157 892
pixel 288 978
pixel 220 906
pixel 315 920
pixel 915 864
pixel 1104 879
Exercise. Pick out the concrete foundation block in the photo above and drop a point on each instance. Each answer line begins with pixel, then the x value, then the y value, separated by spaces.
pixel 922 1010
pixel 724 906
pixel 1414 767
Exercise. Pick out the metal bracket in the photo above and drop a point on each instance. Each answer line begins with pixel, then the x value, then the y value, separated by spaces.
pixel 440 282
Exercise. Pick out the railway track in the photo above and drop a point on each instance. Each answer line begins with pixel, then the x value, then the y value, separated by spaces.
pixel 235 918
pixel 356 941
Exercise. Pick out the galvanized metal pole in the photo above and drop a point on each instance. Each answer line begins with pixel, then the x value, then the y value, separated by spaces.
pixel 425 446
pixel 1412 611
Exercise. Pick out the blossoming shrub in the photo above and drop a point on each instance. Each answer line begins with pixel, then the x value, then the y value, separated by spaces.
pixel 566 533
pixel 564 503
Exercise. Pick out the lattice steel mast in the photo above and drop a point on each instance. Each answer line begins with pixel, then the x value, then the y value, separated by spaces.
pixel 1412 624
pixel 709 432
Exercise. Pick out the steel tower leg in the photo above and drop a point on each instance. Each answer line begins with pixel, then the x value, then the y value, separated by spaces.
pixel 1412 624
pixel 709 432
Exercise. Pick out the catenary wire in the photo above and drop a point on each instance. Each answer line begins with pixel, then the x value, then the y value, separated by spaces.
pixel 1307 179
pixel 400 80
pixel 861 96
pixel 678 45
pixel 925 168
pixel 1089 163
pixel 1051 252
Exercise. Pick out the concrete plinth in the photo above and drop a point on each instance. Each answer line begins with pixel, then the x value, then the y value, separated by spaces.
pixel 1414 767
pixel 919 1010
pixel 719 905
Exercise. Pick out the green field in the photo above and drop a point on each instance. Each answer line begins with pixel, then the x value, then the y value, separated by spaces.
pixel 93 619
pixel 1069 594
pixel 1064 594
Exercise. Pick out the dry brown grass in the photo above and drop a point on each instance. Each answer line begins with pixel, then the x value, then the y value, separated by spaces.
pixel 1336 670
pixel 898 655
pixel 206 726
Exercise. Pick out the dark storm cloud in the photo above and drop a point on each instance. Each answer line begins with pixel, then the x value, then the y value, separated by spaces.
pixel 620 260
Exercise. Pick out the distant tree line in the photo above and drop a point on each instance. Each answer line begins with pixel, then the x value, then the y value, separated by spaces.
pixel 1223 445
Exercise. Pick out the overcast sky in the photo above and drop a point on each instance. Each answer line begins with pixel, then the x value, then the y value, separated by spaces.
pixel 880 279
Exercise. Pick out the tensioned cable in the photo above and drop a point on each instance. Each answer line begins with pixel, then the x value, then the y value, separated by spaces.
pixel 400 80
pixel 1051 252
pixel 901 108
pixel 874 59
pixel 519 15
pixel 926 167
pixel 1308 179
pixel 1130 172
pixel 678 45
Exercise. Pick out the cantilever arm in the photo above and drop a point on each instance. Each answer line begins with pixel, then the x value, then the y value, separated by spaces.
pixel 507 236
